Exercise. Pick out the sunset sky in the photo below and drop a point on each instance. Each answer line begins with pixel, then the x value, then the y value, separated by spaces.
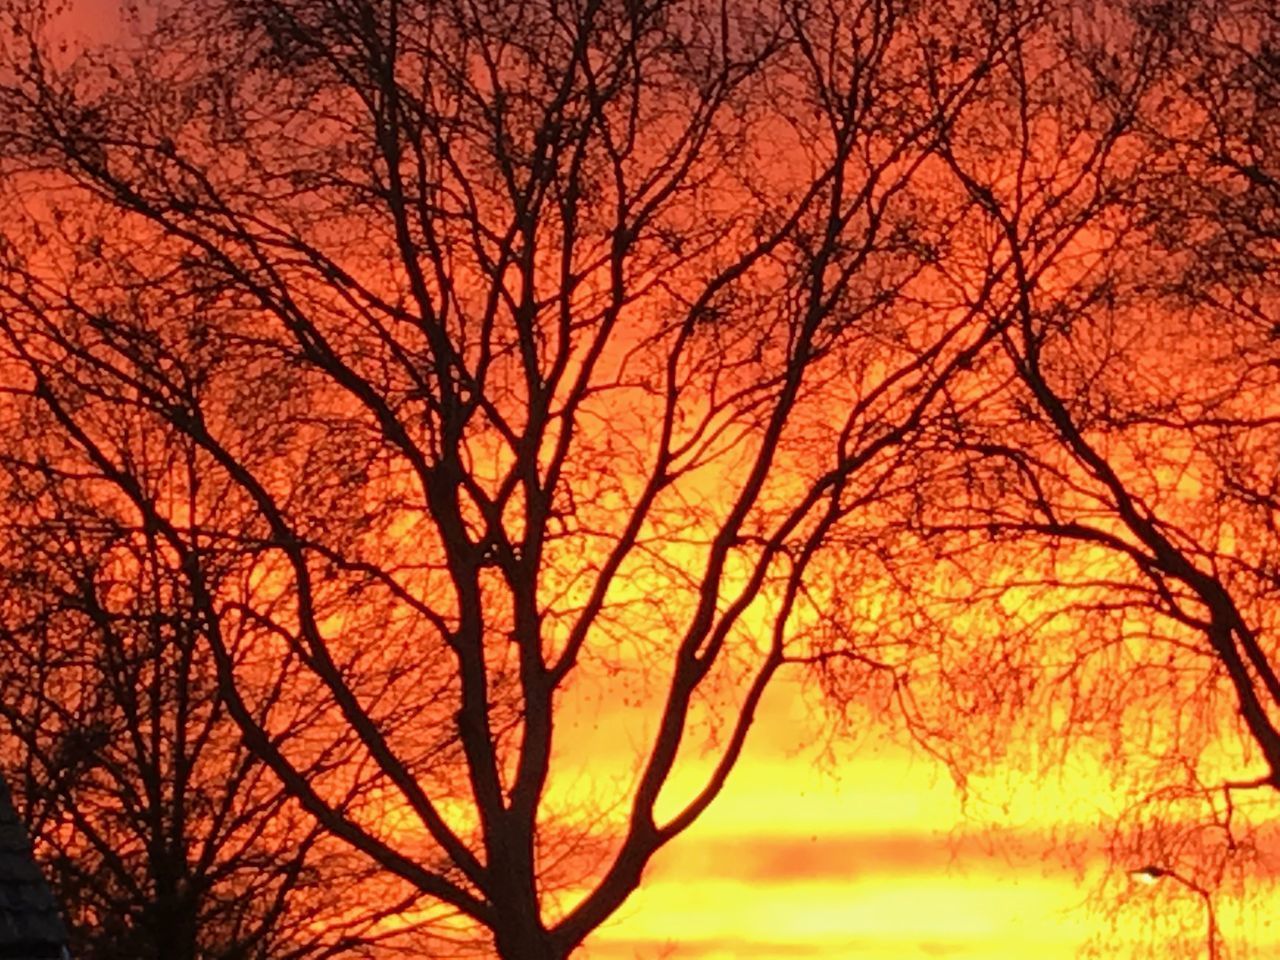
pixel 504 564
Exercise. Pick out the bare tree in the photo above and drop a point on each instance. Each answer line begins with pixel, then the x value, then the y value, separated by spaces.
pixel 162 834
pixel 564 337
pixel 1151 386
pixel 1054 170
pixel 1118 489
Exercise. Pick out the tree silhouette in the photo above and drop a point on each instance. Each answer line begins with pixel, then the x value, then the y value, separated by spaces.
pixel 1126 468
pixel 544 343
pixel 163 836
pixel 1146 435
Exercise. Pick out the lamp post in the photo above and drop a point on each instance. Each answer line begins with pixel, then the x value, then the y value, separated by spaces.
pixel 1150 875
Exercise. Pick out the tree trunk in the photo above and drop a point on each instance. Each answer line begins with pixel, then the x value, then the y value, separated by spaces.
pixel 527 945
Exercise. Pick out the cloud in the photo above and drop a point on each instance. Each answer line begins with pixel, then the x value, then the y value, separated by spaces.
pixel 734 947
pixel 843 857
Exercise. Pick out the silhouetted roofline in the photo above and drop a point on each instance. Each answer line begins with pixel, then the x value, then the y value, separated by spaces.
pixel 31 926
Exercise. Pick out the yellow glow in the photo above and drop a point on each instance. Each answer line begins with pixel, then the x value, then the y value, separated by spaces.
pixel 874 857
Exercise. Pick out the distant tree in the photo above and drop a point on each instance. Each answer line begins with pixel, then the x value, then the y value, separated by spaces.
pixel 551 345
pixel 162 835
pixel 1146 423
pixel 1118 494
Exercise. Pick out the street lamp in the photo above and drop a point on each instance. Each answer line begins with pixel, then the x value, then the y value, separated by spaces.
pixel 1152 874
pixel 1148 875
